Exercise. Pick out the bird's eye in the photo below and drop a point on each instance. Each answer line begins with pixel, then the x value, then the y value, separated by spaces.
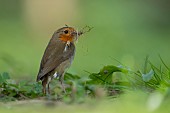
pixel 66 31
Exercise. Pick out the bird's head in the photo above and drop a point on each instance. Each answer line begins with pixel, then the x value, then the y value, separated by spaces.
pixel 67 34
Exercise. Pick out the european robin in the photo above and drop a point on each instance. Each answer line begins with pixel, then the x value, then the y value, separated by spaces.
pixel 58 56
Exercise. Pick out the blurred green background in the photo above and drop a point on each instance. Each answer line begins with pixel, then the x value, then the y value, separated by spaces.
pixel 123 30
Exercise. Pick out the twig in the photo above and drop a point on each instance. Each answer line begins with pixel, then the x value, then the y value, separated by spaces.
pixel 85 30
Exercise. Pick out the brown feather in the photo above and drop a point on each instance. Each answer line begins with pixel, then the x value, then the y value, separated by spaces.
pixel 54 55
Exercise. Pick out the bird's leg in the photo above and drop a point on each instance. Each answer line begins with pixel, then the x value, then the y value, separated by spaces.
pixel 61 79
pixel 44 84
pixel 48 87
pixel 44 89
pixel 63 87
pixel 48 84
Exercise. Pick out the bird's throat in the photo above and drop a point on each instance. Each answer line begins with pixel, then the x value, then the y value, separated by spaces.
pixel 67 46
pixel 66 38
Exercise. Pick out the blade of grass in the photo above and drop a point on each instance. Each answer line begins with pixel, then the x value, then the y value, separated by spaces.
pixel 164 63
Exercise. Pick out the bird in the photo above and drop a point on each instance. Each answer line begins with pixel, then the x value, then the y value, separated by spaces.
pixel 57 57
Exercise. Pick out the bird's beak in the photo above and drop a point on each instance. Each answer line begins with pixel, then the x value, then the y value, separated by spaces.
pixel 75 34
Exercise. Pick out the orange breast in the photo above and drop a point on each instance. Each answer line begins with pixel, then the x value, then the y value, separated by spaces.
pixel 66 38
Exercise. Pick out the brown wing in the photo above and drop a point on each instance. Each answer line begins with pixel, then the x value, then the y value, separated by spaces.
pixel 53 56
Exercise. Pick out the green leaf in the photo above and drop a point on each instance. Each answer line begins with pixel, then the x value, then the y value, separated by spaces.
pixel 1 79
pixel 148 76
pixel 69 76
pixel 4 77
pixel 105 74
